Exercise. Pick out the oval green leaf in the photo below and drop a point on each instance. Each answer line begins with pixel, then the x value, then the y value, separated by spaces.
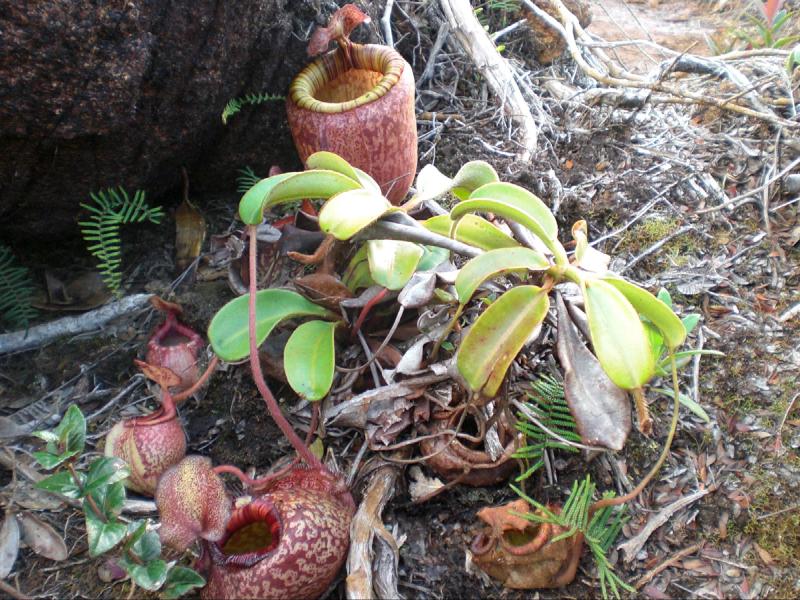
pixel 347 213
pixel 367 182
pixel 319 183
pixel 654 309
pixel 392 262
pixel 433 256
pixel 473 230
pixel 431 183
pixel 331 162
pixel 308 359
pixel 228 331
pixel 522 199
pixel 494 263
pixel 471 176
pixel 357 273
pixel 251 206
pixel 514 213
pixel 497 336
pixel 618 335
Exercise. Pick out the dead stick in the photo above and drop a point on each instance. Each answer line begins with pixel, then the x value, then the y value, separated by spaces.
pixel 91 321
pixel 651 574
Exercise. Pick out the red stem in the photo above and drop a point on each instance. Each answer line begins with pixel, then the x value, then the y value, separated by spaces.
pixel 200 382
pixel 368 307
pixel 258 376
pixel 314 422
pixel 249 482
pixel 165 413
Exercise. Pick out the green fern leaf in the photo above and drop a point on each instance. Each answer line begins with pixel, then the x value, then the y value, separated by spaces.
pixel 599 532
pixel 101 230
pixel 16 291
pixel 246 179
pixel 548 403
pixel 234 105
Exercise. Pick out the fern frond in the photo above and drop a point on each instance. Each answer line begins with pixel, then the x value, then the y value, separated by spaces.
pixel 16 291
pixel 548 402
pixel 111 209
pixel 246 179
pixel 504 6
pixel 234 105
pixel 599 532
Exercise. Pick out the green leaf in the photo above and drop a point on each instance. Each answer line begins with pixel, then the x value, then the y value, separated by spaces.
pixel 318 183
pixel 471 176
pixel 105 471
pixel 690 322
pixel 71 431
pixel 345 214
pixel 62 483
pixel 48 460
pixel 432 257
pixel 523 200
pixel 103 536
pixel 664 366
pixel 46 435
pixel 181 580
pixel 392 262
pixel 473 230
pixel 618 336
pixel 664 296
pixel 511 211
pixel 150 576
pixel 367 182
pixel 495 263
pixel 251 206
pixel 147 547
pixel 228 331
pixel 331 162
pixel 687 402
pixel 359 277
pixel 654 309
pixel 109 499
pixel 136 531
pixel 497 336
pixel 430 184
pixel 308 359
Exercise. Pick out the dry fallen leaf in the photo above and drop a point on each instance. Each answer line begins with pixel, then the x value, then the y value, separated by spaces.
pixel 190 229
pixel 29 497
pixel 765 556
pixel 9 544
pixel 41 538
pixel 601 410
pixel 422 486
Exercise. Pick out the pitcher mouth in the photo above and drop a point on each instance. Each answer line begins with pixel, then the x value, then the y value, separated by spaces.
pixel 332 84
pixel 253 532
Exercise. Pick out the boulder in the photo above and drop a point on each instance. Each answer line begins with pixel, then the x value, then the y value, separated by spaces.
pixel 102 93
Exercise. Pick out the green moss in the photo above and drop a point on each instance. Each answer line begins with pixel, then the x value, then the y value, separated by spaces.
pixel 774 516
pixel 656 228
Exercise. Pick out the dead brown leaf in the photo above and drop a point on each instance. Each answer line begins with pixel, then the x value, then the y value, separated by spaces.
pixel 9 544
pixel 601 409
pixel 41 538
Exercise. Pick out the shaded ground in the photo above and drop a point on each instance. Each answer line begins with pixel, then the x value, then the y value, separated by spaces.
pixel 726 266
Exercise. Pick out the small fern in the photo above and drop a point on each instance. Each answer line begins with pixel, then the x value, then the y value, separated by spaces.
pixel 16 291
pixel 549 405
pixel 246 179
pixel 235 104
pixel 111 209
pixel 599 531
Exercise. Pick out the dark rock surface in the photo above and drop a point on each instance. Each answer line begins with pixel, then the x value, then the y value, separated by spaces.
pixel 101 93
